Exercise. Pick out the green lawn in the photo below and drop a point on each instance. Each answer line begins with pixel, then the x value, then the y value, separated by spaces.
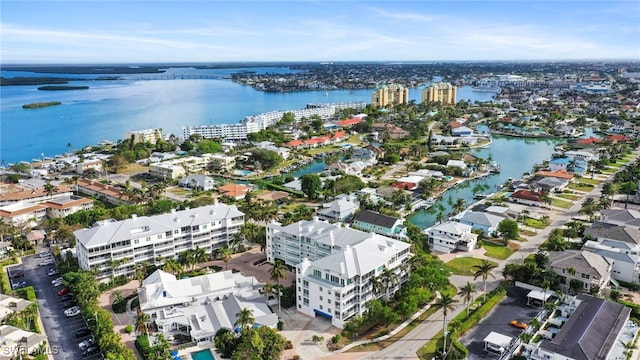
pixel 464 265
pixel 496 251
pixel 561 203
pixel 535 223
pixel 615 165
pixel 629 157
pixel 589 181
pixel 581 187
pixel 526 233
pixel 178 191
pixel 569 196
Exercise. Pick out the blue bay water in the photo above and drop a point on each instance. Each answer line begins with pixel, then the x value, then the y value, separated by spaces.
pixel 109 109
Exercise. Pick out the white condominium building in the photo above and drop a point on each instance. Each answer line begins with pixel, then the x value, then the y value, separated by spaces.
pixel 113 248
pixel 311 239
pixel 180 167
pixel 255 123
pixel 339 285
pixel 335 266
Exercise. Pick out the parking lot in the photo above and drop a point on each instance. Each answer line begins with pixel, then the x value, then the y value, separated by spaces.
pixel 59 329
pixel 513 307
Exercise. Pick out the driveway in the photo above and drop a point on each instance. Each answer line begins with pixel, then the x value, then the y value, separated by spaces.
pixel 59 328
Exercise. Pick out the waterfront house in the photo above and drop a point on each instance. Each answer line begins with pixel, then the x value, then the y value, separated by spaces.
pixel 585 155
pixel 449 236
pixel 621 217
pixel 590 329
pixel 276 196
pixel 580 270
pixel 340 209
pixel 552 184
pixel 560 174
pixel 484 221
pixel 382 224
pixel 200 306
pixel 526 197
pixel 574 166
pixel 461 131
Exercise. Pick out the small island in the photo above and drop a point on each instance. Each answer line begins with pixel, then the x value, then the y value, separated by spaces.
pixel 40 104
pixel 63 87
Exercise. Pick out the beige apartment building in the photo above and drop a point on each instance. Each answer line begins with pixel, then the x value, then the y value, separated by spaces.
pixel 443 93
pixel 390 95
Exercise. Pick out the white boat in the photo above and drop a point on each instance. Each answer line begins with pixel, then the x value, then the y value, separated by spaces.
pixel 325 93
pixel 480 196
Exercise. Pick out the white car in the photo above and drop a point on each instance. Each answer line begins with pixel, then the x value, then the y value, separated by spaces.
pixel 74 311
pixel 47 262
pixel 56 282
pixel 56 279
pixel 44 254
pixel 53 272
pixel 86 343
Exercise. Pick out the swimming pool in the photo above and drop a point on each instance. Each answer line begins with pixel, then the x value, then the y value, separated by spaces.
pixel 202 355
pixel 243 172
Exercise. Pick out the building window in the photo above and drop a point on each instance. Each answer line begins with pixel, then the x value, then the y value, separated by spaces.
pixel 317 273
pixel 321 307
pixel 320 288
pixel 328 301
pixel 136 241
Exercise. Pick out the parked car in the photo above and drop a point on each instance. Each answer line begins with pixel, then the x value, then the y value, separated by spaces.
pixel 47 262
pixel 18 285
pixel 64 291
pixel 53 272
pixel 74 311
pixel 44 254
pixel 519 324
pixel 86 343
pixel 56 282
pixel 80 333
pixel 69 304
pixel 67 297
pixel 16 275
pixel 91 350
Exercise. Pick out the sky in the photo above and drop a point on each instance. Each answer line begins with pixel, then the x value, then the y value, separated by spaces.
pixel 228 31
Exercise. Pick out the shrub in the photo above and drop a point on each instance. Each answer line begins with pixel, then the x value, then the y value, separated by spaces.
pixel 128 329
pixel 119 306
pixel 142 344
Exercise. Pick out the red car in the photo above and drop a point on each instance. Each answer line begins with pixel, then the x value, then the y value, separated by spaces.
pixel 64 291
pixel 16 275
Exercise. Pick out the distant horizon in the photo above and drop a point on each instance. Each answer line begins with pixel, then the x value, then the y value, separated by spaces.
pixel 152 31
pixel 324 62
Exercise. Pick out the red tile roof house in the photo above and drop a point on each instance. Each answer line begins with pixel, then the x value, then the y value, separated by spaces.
pixel 296 144
pixel 339 136
pixel 526 197
pixel 349 122
pixel 404 185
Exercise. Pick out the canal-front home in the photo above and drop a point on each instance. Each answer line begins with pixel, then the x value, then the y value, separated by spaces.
pixel 450 236
pixel 382 224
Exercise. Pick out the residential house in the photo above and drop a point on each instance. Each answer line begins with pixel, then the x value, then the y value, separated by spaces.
pixel 560 174
pixel 340 209
pixel 552 184
pixel 111 248
pixel 234 191
pixel 449 236
pixel 580 270
pixel 276 196
pixel 619 243
pixel 29 193
pixel 526 197
pixel 200 306
pixel 198 181
pixel 461 131
pixel 382 224
pixel 457 163
pixel 621 217
pixel 585 155
pixel 10 305
pixel 574 166
pixel 592 330
pixel 484 221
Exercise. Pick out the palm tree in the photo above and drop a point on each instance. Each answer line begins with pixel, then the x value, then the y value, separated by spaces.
pixel 467 292
pixel 49 189
pixel 171 265
pixel 225 255
pixel 484 270
pixel 142 320
pixel 446 303
pixel 459 206
pixel 244 318
pixel 276 273
pixel 389 279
